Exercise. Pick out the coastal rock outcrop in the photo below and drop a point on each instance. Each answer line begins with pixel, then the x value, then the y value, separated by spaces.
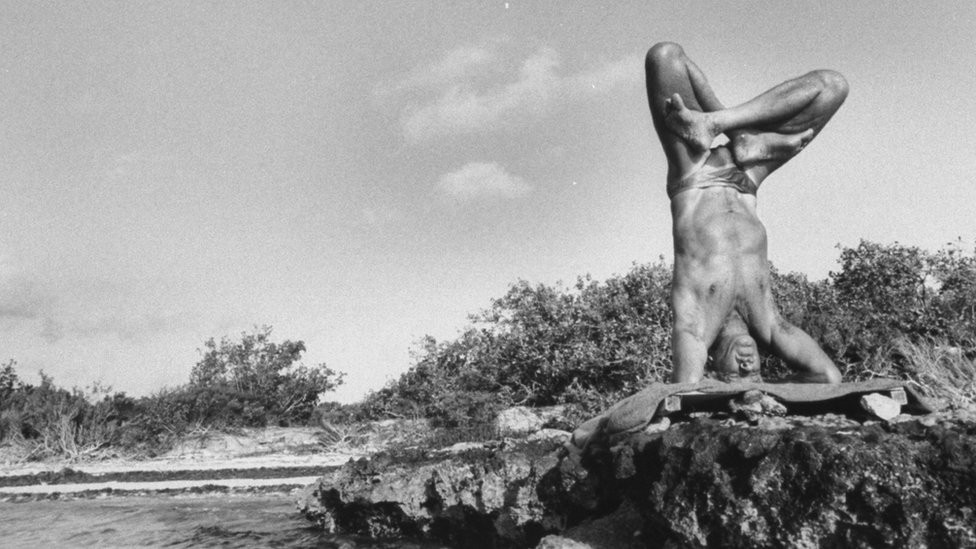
pixel 470 495
pixel 793 481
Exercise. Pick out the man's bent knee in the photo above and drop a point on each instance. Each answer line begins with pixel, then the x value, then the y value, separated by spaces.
pixel 833 83
pixel 661 54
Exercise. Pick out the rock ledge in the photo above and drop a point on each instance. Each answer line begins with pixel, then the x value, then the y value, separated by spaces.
pixel 783 482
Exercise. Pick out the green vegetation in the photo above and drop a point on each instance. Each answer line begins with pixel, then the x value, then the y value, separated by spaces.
pixel 46 420
pixel 250 383
pixel 890 310
pixel 540 345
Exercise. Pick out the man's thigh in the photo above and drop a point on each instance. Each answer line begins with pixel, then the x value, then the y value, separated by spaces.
pixel 700 312
pixel 761 312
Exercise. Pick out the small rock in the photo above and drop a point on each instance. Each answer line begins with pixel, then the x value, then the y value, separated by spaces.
pixel 623 462
pixel 459 447
pixel 556 435
pixel 754 405
pixel 751 397
pixel 552 416
pixel 559 542
pixel 518 420
pixel 880 406
pixel 658 426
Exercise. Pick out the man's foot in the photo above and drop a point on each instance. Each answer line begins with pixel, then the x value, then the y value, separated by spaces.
pixel 694 127
pixel 751 147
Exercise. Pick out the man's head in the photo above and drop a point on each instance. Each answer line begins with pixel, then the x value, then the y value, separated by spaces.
pixel 735 354
pixel 736 357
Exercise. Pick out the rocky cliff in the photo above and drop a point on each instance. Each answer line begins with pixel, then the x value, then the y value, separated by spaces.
pixel 799 481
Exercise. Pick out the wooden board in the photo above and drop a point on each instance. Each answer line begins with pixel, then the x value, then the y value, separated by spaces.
pixel 675 403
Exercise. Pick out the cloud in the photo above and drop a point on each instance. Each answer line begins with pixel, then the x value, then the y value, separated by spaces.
pixel 482 180
pixel 461 108
pixel 125 309
pixel 20 299
pixel 605 78
pixel 75 308
pixel 459 64
pixel 378 216
pixel 27 305
pixel 129 325
pixel 473 89
pixel 52 331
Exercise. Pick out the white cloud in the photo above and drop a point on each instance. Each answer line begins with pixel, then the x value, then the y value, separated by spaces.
pixel 21 299
pixel 378 216
pixel 605 78
pixel 457 65
pixel 20 296
pixel 470 90
pixel 79 308
pixel 482 180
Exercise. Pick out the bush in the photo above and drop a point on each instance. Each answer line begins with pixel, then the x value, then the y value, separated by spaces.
pixel 890 295
pixel 890 310
pixel 940 370
pixel 256 382
pixel 47 421
pixel 541 345
pixel 595 343
pixel 250 383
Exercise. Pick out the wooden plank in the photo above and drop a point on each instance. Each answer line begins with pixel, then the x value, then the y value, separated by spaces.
pixel 689 399
pixel 678 401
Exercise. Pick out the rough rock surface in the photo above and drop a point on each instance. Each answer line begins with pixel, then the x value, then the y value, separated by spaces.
pixel 876 485
pixel 523 420
pixel 483 496
pixel 880 406
pixel 517 421
pixel 824 481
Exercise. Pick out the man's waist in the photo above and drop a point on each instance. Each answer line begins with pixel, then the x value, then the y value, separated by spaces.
pixel 707 240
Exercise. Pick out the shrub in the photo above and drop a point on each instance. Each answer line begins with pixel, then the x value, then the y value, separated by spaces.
pixel 893 295
pixel 541 345
pixel 597 342
pixel 940 369
pixel 255 382
pixel 46 421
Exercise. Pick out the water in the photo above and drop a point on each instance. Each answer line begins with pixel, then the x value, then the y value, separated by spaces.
pixel 225 520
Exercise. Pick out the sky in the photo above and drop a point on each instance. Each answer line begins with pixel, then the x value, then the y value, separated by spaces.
pixel 358 175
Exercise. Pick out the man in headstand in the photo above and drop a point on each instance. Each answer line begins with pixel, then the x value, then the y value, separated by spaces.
pixel 721 292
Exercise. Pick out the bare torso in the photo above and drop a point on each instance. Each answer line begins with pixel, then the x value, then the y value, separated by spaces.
pixel 719 246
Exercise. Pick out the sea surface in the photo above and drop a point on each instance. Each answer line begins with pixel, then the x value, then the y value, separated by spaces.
pixel 215 520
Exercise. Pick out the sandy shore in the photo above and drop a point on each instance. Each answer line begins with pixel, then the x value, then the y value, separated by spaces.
pixel 247 453
pixel 290 482
pixel 120 465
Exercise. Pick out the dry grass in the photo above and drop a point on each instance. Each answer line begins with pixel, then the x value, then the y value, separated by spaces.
pixel 396 434
pixel 940 370
pixel 344 437
pixel 63 439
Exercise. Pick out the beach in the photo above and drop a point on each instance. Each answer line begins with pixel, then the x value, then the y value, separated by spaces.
pixel 270 458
